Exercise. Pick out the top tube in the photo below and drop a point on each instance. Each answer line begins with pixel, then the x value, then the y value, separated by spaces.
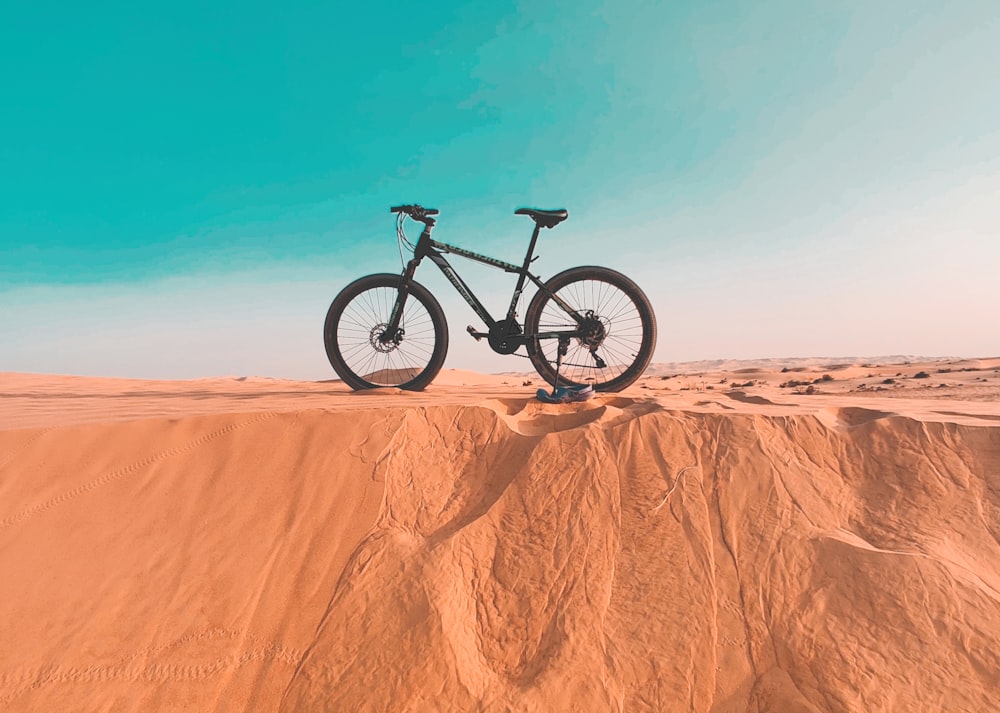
pixel 455 250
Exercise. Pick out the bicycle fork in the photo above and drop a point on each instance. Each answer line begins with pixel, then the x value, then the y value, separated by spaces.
pixel 392 332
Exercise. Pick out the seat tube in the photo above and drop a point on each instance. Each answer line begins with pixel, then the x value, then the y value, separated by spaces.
pixel 523 276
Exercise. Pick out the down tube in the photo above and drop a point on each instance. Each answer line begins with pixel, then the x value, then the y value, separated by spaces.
pixel 462 288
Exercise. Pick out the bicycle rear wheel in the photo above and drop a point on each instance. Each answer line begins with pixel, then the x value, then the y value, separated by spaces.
pixel 619 329
pixel 359 316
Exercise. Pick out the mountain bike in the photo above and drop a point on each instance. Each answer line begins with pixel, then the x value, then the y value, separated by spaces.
pixel 585 325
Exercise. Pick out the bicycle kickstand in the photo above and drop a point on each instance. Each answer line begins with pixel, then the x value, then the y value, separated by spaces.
pixel 560 353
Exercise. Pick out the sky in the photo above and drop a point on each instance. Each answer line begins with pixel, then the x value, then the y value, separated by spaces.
pixel 186 186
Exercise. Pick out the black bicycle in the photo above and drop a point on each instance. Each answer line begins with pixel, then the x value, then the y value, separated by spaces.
pixel 586 325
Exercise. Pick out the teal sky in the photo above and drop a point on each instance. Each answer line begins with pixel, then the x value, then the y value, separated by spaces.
pixel 186 186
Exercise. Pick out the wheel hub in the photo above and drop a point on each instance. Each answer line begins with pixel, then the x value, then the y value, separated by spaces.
pixel 592 331
pixel 379 343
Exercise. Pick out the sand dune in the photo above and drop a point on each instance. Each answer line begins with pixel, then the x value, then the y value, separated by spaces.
pixel 716 540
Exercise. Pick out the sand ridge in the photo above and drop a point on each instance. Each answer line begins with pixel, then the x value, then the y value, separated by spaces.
pixel 258 544
pixel 955 390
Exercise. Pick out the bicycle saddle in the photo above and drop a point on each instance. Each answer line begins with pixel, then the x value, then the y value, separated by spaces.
pixel 545 218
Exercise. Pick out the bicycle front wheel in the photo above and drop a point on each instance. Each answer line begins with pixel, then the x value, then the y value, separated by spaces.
pixel 357 322
pixel 612 342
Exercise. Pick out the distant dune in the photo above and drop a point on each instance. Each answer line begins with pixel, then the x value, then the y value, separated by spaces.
pixel 782 536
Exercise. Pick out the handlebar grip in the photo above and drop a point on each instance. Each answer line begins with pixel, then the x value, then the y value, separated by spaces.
pixel 399 209
pixel 431 211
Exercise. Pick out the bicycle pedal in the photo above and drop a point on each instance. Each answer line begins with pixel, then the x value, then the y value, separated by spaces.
pixel 475 335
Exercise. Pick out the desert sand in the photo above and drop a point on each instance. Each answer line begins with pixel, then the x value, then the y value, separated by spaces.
pixel 782 536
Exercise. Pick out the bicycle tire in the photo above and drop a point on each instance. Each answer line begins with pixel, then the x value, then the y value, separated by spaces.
pixel 353 323
pixel 626 316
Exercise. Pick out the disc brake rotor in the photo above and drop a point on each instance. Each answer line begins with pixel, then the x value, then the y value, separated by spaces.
pixel 375 339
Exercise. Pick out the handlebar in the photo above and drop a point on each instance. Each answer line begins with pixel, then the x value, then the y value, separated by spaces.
pixel 414 211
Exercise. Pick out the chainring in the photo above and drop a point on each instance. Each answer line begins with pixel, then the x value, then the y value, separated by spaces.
pixel 505 337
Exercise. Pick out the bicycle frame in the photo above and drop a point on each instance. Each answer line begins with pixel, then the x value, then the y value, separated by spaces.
pixel 435 251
